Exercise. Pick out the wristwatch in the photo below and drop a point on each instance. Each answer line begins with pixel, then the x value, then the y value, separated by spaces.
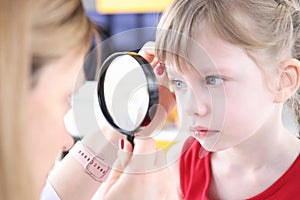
pixel 93 164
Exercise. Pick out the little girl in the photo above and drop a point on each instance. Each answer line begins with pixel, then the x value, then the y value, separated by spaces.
pixel 232 65
pixel 236 105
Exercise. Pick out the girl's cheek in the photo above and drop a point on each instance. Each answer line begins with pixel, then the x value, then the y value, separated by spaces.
pixel 180 106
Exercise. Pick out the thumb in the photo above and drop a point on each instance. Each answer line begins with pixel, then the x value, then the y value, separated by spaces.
pixel 124 155
pixel 148 51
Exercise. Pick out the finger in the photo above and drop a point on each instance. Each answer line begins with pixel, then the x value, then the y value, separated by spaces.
pixel 148 51
pixel 161 75
pixel 116 172
pixel 167 99
pixel 149 47
pixel 154 62
pixel 157 122
pixel 144 145
pixel 124 153
pixel 127 146
pixel 143 158
pixel 123 158
pixel 148 55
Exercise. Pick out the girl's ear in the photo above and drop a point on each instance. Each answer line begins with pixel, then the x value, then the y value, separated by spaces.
pixel 289 80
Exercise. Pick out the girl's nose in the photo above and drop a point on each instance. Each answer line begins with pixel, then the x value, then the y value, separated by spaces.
pixel 197 103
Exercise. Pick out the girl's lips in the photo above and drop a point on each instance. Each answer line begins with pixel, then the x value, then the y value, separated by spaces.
pixel 202 132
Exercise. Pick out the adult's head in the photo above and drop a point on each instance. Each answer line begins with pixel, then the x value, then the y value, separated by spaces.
pixel 43 44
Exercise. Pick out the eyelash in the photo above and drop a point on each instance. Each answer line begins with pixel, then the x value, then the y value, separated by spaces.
pixel 209 78
pixel 174 85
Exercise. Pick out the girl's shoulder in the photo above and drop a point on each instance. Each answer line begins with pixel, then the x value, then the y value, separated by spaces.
pixel 286 187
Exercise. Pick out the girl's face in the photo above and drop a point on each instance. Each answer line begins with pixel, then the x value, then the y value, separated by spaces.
pixel 225 99
pixel 49 101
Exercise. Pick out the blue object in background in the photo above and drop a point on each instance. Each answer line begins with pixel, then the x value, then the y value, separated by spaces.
pixel 121 32
pixel 118 23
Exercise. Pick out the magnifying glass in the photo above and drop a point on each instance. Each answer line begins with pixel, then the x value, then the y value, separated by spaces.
pixel 127 92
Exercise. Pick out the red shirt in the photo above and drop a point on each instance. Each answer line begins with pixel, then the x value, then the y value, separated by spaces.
pixel 195 173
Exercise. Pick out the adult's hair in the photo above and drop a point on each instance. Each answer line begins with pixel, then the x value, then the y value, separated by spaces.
pixel 268 30
pixel 32 34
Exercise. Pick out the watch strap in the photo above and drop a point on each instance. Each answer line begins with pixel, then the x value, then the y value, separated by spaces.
pixel 93 164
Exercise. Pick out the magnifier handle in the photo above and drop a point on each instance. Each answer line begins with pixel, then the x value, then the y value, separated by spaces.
pixel 130 138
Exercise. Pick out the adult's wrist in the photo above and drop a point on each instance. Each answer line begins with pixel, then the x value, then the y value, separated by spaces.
pixel 103 143
pixel 94 165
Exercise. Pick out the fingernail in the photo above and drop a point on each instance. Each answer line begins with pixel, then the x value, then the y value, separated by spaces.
pixel 160 69
pixel 121 144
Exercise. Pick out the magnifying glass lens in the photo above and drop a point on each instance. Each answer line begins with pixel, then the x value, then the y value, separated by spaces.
pixel 127 92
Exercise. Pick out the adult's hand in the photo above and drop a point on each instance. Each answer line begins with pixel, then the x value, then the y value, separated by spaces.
pixel 166 97
pixel 139 173
pixel 69 178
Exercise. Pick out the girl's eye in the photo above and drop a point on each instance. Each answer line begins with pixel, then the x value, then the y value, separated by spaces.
pixel 177 85
pixel 214 80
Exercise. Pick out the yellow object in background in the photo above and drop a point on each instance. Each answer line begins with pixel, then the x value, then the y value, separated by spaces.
pixel 173 116
pixel 131 6
pixel 166 144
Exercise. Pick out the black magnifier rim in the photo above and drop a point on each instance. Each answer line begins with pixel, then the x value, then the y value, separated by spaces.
pixel 152 90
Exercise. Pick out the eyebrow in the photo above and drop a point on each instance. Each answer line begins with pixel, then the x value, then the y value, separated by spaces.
pixel 205 71
pixel 215 69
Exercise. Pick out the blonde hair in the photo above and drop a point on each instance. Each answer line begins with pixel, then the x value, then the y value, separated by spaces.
pixel 32 34
pixel 267 30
